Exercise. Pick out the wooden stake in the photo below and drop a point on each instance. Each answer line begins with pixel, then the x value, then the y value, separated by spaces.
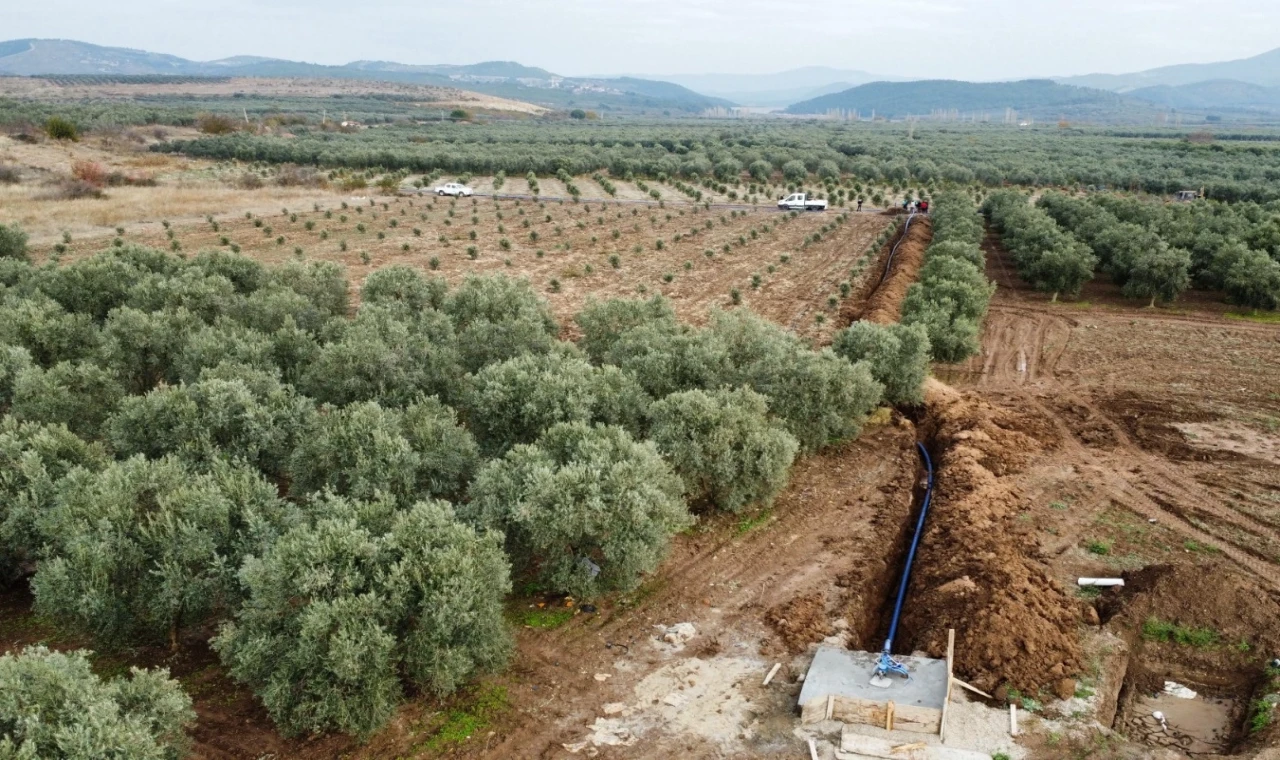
pixel 813 750
pixel 831 705
pixel 772 672
pixel 946 700
pixel 971 688
pixel 888 717
pixel 1013 720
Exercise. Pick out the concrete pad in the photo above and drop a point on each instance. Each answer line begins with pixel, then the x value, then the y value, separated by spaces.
pixel 842 673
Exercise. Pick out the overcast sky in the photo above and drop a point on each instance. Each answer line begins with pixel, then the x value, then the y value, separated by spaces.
pixel 954 39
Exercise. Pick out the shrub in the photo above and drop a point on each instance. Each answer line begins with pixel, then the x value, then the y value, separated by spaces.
pixel 13 243
pixel 338 613
pixel 214 124
pixel 515 401
pixel 59 128
pixel 897 355
pixel 9 175
pixel 585 510
pixel 723 446
pixel 53 705
pixel 145 549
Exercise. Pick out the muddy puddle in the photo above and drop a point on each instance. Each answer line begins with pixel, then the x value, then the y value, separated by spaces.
pixel 1202 725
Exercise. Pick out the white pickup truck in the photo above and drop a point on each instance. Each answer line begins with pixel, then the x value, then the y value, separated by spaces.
pixel 455 189
pixel 801 202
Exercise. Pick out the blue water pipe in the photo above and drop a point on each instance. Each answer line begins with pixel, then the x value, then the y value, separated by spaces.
pixel 887 664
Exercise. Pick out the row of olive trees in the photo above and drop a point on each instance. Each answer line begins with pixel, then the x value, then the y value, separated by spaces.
pixel 207 441
pixel 1045 255
pixel 1226 249
pixel 950 299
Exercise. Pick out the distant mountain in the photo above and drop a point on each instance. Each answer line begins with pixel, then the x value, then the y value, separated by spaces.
pixel 1261 70
pixel 507 79
pixel 1034 98
pixel 1215 95
pixel 781 89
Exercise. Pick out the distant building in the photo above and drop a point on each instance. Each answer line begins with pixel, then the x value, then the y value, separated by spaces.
pixel 1187 195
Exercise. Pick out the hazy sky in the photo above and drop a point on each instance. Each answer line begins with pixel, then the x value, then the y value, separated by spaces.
pixel 960 39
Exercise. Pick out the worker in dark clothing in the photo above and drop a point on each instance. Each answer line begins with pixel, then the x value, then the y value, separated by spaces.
pixel 924 207
pixel 859 204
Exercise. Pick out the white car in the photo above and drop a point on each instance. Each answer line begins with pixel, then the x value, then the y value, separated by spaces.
pixel 801 202
pixel 455 189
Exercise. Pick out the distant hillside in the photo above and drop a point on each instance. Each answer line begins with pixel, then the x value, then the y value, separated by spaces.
pixel 505 79
pixel 1036 98
pixel 1261 70
pixel 27 57
pixel 780 89
pixel 1216 95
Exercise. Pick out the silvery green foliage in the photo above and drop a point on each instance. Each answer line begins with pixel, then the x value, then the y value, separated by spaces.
pixel 143 549
pixel 47 331
pixel 604 323
pixel 320 282
pixel 33 458
pixel 365 451
pixel 499 318
pixel 666 357
pixel 404 285
pixel 338 612
pixel 585 510
pixel 232 412
pixel 13 360
pixel 80 395
pixel 819 396
pixel 1160 274
pixel 386 354
pixel 53 706
pixel 13 242
pixel 724 446
pixel 897 355
pixel 516 400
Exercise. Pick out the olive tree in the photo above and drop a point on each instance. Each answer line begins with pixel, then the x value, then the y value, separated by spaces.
pixel 819 396
pixel 323 283
pixel 723 446
pixel 585 510
pixel 338 614
pixel 947 320
pixel 897 355
pixel 666 357
pixel 498 318
pixel 33 458
pixel 365 451
pixel 146 548
pixel 80 395
pixel 1160 273
pixel 405 285
pixel 386 354
pixel 1254 281
pixel 516 400
pixel 46 330
pixel 794 171
pixel 216 417
pixel 52 705
pixel 604 323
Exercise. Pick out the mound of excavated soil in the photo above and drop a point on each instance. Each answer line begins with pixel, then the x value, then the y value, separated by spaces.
pixel 801 621
pixel 976 572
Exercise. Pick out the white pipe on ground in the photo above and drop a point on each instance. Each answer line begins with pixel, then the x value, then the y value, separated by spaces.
pixel 1101 582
